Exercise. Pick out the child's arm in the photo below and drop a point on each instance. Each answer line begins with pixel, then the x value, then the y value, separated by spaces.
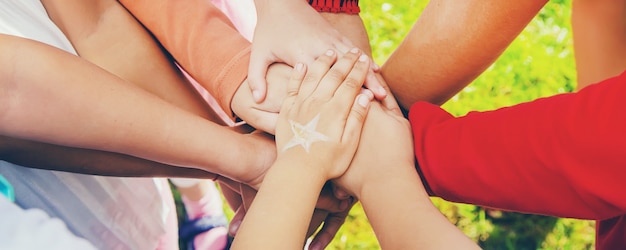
pixel 384 179
pixel 41 155
pixel 77 104
pixel 201 39
pixel 317 135
pixel 449 55
pixel 560 156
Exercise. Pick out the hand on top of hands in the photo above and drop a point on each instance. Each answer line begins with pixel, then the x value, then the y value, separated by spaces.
pixel 320 122
pixel 386 144
pixel 263 115
pixel 291 31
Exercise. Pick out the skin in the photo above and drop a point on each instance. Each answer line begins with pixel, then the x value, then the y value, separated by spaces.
pixel 334 104
pixel 126 119
pixel 599 39
pixel 399 223
pixel 111 33
pixel 288 31
pixel 442 63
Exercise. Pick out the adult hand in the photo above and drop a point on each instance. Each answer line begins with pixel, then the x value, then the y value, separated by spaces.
pixel 291 31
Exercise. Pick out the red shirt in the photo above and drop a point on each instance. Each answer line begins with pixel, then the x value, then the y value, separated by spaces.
pixel 562 156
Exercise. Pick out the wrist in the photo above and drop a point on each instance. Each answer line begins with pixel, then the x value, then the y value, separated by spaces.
pixel 394 173
pixel 336 6
pixel 301 169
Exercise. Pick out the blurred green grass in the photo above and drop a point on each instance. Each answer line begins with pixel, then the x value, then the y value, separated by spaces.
pixel 538 63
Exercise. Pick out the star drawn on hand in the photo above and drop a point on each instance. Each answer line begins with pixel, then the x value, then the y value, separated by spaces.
pixel 305 135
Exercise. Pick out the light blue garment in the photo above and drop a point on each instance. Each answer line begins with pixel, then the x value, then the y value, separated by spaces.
pixel 6 189
pixel 34 229
pixel 110 212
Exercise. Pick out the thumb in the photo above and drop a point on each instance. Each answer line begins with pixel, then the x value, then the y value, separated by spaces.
pixel 256 75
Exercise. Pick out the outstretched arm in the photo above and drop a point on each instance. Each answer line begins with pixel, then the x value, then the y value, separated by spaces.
pixel 91 108
pixel 522 157
pixel 317 135
pixel 451 43
pixel 201 39
pixel 393 197
pixel 87 161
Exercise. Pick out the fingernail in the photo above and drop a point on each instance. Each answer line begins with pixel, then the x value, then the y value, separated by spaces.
pixel 363 100
pixel 234 226
pixel 315 246
pixel 354 50
pixel 299 67
pixel 330 52
pixel 375 66
pixel 256 94
pixel 363 58
pixel 382 91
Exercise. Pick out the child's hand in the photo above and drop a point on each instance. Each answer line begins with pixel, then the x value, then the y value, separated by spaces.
pixel 263 115
pixel 386 143
pixel 291 31
pixel 320 122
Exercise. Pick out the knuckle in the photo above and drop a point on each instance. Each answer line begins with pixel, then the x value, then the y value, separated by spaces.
pixel 352 83
pixel 359 114
pixel 311 78
pixel 336 75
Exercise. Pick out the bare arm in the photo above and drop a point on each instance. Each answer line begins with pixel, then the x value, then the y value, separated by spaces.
pixel 300 171
pixel 40 102
pixel 451 44
pixel 86 161
pixel 599 39
pixel 392 194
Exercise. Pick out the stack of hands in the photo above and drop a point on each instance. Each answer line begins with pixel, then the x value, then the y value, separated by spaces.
pixel 328 128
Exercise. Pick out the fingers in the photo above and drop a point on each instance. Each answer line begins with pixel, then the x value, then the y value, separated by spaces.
pixel 256 75
pixel 332 224
pixel 350 86
pixel 316 73
pixel 389 101
pixel 328 201
pixel 375 85
pixel 356 118
pixel 336 75
pixel 294 85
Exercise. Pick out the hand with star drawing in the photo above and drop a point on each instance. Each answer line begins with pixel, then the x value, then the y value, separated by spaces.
pixel 322 118
pixel 318 130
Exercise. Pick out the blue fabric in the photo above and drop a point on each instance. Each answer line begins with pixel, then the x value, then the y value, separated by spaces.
pixel 6 189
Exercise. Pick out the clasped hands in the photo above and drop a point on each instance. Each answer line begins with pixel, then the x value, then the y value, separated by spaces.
pixel 384 128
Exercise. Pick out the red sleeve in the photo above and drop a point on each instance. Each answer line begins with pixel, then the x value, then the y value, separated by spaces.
pixel 563 156
pixel 201 39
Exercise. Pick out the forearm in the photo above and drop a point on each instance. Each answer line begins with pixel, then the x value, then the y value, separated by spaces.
pixel 560 156
pixel 286 201
pixel 201 39
pixel 451 44
pixel 105 34
pixel 91 108
pixel 599 39
pixel 403 216
pixel 86 161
